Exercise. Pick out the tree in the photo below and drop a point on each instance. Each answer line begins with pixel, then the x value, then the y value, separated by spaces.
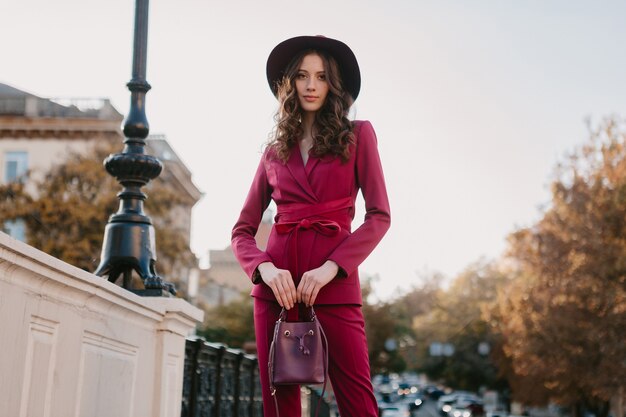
pixel 563 317
pixel 456 318
pixel 418 301
pixel 230 323
pixel 66 214
pixel 385 330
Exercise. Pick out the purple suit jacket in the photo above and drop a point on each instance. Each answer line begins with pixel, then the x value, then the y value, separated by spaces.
pixel 322 180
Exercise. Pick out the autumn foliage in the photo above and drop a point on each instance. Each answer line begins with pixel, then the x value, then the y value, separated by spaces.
pixel 66 214
pixel 553 310
pixel 563 318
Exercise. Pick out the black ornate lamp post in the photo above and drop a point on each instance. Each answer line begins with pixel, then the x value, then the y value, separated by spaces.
pixel 129 242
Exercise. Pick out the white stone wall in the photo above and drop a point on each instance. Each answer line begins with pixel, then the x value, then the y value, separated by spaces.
pixel 73 344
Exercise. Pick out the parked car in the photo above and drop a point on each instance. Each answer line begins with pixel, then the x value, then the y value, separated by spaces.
pixel 394 410
pixel 497 413
pixel 476 408
pixel 445 403
pixel 459 412
pixel 412 402
pixel 459 400
pixel 434 393
pixel 387 394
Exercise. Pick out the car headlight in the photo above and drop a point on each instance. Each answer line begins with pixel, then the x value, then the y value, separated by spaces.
pixel 446 408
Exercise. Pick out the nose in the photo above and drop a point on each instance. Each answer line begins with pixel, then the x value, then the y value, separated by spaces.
pixel 311 84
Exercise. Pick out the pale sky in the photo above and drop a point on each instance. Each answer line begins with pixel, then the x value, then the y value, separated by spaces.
pixel 474 102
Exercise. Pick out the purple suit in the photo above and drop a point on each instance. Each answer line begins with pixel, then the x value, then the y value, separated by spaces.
pixel 315 209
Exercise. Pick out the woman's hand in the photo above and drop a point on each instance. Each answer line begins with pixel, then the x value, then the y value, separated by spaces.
pixel 312 282
pixel 281 283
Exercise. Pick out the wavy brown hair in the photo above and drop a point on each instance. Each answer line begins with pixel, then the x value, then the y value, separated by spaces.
pixel 333 131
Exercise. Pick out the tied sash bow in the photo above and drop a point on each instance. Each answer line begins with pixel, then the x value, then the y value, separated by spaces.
pixel 323 226
pixel 326 218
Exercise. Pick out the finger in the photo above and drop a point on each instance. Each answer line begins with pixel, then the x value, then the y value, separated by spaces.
pixel 306 296
pixel 273 286
pixel 300 289
pixel 307 291
pixel 284 293
pixel 286 285
pixel 291 288
pixel 313 297
pixel 305 286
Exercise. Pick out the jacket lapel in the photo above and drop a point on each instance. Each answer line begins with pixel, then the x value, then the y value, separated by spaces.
pixel 295 165
pixel 310 166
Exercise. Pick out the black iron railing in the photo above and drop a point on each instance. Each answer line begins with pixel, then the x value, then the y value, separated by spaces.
pixel 314 396
pixel 223 382
pixel 219 382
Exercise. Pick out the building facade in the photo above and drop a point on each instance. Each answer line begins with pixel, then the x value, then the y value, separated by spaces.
pixel 36 133
pixel 225 280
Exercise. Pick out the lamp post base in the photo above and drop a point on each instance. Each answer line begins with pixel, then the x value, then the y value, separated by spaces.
pixel 153 292
pixel 129 246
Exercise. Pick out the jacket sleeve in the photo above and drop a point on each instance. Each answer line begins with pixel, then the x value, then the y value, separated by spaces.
pixel 369 176
pixel 242 238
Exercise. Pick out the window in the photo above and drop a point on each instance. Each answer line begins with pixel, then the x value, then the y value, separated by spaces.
pixel 15 165
pixel 16 229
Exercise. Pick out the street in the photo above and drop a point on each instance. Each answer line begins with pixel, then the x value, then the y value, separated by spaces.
pixel 428 409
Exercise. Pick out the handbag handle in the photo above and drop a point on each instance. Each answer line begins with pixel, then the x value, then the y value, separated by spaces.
pixel 282 317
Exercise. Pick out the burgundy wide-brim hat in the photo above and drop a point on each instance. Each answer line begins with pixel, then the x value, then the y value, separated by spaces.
pixel 285 51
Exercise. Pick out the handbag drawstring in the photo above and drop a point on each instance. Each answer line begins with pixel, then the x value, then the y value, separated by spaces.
pixel 302 347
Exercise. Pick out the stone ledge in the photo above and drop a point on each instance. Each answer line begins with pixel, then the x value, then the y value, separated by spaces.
pixel 50 277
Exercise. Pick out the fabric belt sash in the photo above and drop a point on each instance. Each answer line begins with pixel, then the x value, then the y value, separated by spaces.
pixel 325 218
pixel 300 211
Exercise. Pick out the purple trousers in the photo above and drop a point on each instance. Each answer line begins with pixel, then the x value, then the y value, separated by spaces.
pixel 348 362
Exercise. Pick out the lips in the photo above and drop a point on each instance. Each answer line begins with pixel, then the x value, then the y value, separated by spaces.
pixel 310 98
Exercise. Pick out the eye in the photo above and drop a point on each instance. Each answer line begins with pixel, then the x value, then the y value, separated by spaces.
pixel 321 77
pixel 301 76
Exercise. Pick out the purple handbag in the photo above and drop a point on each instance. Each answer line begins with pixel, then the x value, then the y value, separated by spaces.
pixel 298 354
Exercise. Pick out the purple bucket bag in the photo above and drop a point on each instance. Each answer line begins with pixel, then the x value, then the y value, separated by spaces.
pixel 298 354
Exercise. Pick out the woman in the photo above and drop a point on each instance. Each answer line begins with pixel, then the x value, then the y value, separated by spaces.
pixel 313 169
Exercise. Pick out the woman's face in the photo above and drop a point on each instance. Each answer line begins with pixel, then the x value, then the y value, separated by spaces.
pixel 311 83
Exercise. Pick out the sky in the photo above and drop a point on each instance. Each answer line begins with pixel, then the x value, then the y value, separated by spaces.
pixel 474 102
